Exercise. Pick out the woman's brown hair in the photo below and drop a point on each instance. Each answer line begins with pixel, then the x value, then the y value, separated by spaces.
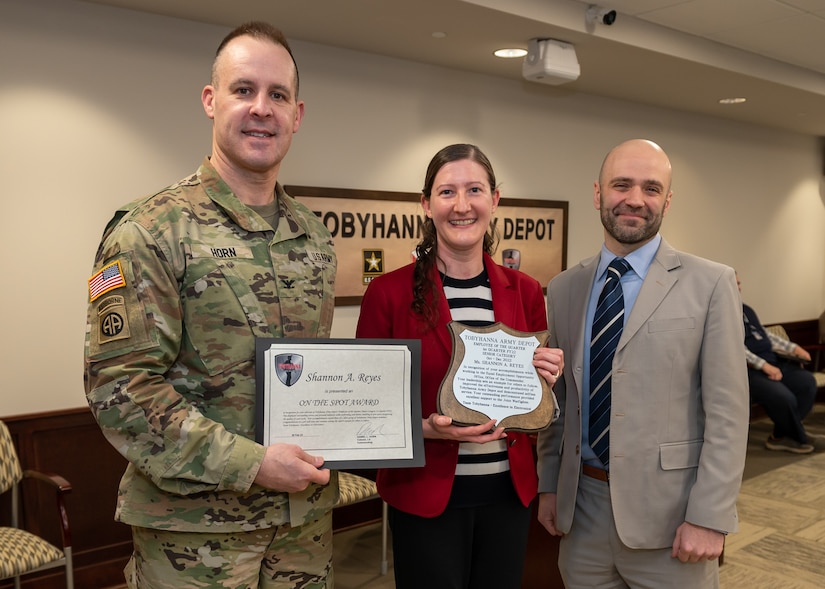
pixel 427 249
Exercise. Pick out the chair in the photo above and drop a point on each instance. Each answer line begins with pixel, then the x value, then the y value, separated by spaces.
pixel 22 552
pixel 354 489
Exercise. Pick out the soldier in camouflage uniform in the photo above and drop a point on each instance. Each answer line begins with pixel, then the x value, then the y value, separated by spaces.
pixel 184 281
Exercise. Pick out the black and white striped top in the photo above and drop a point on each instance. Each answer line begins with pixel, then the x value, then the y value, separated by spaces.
pixel 482 473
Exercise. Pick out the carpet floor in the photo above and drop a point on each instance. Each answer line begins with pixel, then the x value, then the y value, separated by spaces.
pixel 781 539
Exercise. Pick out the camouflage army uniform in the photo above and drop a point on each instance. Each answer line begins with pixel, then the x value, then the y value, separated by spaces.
pixel 184 280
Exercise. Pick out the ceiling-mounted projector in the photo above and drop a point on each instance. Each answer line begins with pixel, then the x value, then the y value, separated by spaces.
pixel 550 62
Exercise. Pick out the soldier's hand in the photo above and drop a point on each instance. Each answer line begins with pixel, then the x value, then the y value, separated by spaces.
pixel 288 468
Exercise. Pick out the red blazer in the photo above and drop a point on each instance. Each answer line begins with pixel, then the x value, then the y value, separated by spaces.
pixel 519 303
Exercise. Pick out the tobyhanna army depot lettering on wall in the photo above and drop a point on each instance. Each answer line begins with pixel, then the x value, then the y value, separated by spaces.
pixel 376 232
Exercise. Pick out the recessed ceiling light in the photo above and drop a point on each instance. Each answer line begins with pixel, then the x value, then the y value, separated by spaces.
pixel 510 53
pixel 439 35
pixel 732 100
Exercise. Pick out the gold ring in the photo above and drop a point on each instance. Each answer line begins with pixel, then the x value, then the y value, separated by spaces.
pixel 558 374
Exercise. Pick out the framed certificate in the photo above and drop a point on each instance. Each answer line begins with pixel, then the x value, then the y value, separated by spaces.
pixel 355 402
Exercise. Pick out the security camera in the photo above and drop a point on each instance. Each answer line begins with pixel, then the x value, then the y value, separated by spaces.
pixel 597 14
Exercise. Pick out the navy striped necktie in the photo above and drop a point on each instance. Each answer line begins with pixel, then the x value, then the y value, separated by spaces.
pixel 608 323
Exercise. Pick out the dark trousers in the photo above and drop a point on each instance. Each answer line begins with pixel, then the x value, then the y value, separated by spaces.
pixel 786 401
pixel 463 548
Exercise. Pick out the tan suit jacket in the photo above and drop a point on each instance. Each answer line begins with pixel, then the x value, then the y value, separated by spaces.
pixel 679 421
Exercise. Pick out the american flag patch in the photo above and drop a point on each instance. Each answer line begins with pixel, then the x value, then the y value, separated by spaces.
pixel 108 278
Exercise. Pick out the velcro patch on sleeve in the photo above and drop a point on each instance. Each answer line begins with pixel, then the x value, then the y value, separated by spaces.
pixel 113 321
pixel 118 322
pixel 105 280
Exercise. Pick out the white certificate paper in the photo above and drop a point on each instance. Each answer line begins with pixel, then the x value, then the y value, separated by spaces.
pixel 355 402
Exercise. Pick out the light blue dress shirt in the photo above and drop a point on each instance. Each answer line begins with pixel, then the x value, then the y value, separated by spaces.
pixel 631 283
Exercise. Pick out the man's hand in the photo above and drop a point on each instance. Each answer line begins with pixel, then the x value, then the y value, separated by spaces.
pixel 288 468
pixel 801 352
pixel 695 543
pixel 772 372
pixel 547 513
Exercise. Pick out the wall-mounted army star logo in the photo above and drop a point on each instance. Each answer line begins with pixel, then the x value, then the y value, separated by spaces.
pixel 373 261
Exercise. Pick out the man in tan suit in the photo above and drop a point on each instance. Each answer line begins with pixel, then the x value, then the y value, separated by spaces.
pixel 651 509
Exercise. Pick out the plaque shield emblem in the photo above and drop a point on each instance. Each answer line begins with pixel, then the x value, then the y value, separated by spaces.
pixel 511 258
pixel 288 368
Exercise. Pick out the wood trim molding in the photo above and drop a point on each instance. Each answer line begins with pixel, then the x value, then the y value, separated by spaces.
pixel 71 444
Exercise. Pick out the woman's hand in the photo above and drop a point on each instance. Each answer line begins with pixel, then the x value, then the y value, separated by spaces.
pixel 550 363
pixel 440 427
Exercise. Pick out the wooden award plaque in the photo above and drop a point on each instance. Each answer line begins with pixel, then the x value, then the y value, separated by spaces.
pixel 491 376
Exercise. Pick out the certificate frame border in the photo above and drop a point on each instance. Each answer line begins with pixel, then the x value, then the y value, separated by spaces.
pixel 262 344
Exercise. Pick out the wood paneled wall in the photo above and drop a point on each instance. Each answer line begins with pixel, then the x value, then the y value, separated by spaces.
pixel 70 443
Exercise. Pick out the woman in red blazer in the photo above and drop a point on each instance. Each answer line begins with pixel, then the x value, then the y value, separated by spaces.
pixel 461 521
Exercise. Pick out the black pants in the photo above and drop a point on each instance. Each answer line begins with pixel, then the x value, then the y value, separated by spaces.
pixel 463 548
pixel 786 401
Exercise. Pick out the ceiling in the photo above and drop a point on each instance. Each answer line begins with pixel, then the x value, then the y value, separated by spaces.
pixel 678 54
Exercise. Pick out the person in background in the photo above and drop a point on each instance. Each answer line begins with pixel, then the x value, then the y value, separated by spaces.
pixel 778 382
pixel 461 521
pixel 641 472
pixel 184 281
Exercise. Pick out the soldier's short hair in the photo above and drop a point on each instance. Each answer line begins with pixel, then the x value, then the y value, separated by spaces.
pixel 258 30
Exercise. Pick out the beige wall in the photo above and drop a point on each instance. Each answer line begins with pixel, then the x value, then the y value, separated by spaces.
pixel 100 105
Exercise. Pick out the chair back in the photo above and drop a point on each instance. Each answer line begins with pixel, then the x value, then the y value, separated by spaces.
pixel 777 329
pixel 10 472
pixel 822 328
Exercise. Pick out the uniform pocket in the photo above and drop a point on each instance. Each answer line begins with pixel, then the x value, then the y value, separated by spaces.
pixel 217 326
pixel 117 318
